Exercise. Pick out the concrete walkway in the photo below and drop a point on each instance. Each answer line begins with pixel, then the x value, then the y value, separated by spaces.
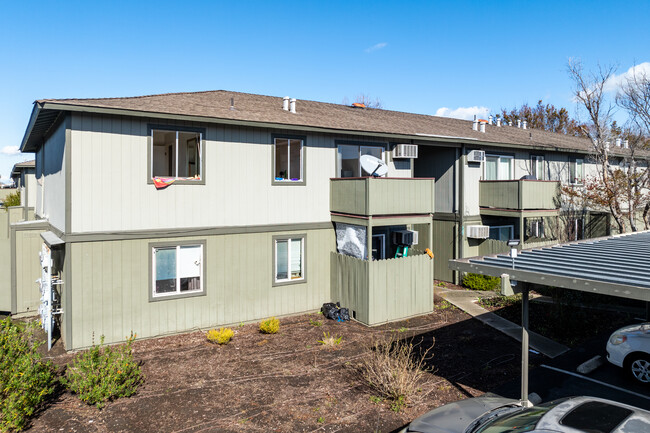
pixel 466 301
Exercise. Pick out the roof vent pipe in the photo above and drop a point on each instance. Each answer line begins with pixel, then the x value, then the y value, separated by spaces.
pixel 285 103
pixel 490 119
pixel 499 122
pixel 626 144
pixel 618 142
pixel 475 124
pixel 483 127
pixel 524 124
pixel 518 123
pixel 292 104
pixel 510 123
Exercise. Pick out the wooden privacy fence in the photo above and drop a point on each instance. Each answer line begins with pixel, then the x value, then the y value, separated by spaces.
pixel 383 290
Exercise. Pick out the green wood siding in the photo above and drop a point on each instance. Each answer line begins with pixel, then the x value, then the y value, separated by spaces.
pixel 382 196
pixel 519 194
pixel 5 261
pixel 384 290
pixel 443 249
pixel 109 294
pixel 28 270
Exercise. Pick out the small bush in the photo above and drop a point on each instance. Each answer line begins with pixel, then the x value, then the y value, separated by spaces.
pixel 12 199
pixel 25 381
pixel 481 282
pixel 270 326
pixel 99 375
pixel 220 336
pixel 329 340
pixel 395 371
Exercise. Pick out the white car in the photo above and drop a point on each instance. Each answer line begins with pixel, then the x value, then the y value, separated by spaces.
pixel 629 348
pixel 493 414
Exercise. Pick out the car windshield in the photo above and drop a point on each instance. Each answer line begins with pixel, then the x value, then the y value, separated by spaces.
pixel 521 421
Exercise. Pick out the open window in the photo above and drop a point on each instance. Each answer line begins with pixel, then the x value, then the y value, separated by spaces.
pixel 348 162
pixel 288 160
pixel 289 260
pixel 177 270
pixel 176 153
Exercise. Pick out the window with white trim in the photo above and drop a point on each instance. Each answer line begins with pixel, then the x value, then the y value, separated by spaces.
pixel 348 159
pixel 177 270
pixel 576 171
pixel 498 167
pixel 176 154
pixel 537 167
pixel 288 159
pixel 289 259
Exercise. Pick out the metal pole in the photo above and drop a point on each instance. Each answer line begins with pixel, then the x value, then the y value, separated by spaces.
pixel 524 347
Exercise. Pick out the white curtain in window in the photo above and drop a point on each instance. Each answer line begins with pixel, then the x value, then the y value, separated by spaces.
pixel 189 262
pixel 504 168
pixel 491 167
pixel 281 259
pixel 296 258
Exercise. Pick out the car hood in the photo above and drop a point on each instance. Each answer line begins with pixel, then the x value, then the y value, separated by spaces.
pixel 643 328
pixel 456 417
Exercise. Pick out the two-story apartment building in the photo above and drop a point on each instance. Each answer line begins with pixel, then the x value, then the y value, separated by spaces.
pixel 173 212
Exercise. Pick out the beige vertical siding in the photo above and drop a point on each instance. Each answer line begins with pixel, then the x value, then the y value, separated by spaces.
pixel 5 261
pixel 109 292
pixel 50 197
pixel 109 156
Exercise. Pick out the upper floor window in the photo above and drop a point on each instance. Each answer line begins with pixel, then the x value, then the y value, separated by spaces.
pixel 576 171
pixel 537 167
pixel 348 163
pixel 498 167
pixel 176 153
pixel 288 160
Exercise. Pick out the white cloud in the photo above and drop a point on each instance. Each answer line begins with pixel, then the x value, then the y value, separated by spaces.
pixel 10 150
pixel 616 81
pixel 466 113
pixel 376 47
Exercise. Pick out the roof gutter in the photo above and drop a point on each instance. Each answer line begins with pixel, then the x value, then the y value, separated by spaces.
pixel 32 121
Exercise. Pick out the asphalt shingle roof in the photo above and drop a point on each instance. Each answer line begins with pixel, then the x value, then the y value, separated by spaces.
pixel 268 109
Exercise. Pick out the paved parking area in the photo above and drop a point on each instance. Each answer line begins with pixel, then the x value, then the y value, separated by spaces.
pixel 558 378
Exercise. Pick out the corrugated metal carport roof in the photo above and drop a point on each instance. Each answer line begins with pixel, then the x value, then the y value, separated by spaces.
pixel 617 266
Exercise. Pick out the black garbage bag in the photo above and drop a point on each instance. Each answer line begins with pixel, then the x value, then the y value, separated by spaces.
pixel 330 310
pixel 344 314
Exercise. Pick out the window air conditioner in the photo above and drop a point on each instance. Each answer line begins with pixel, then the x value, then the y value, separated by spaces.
pixel 476 156
pixel 405 237
pixel 405 151
pixel 478 232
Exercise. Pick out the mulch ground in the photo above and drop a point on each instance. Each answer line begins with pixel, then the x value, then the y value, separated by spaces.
pixel 289 381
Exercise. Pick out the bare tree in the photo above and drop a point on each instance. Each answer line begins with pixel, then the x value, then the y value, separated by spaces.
pixel 366 100
pixel 621 183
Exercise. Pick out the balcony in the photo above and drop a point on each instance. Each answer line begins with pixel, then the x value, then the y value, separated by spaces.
pixel 519 195
pixel 382 196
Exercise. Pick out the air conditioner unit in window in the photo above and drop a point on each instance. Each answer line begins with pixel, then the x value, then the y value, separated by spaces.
pixel 405 237
pixel 405 151
pixel 478 232
pixel 476 156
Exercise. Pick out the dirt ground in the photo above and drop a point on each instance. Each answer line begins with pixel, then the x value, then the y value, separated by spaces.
pixel 288 381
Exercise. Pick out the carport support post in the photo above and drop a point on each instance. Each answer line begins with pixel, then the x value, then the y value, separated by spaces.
pixel 524 346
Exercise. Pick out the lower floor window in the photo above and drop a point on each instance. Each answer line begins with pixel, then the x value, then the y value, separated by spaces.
pixel 289 259
pixel 177 270
pixel 501 233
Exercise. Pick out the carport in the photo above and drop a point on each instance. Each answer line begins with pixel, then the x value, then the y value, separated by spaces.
pixel 616 266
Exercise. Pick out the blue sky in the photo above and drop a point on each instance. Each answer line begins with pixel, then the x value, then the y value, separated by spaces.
pixel 419 57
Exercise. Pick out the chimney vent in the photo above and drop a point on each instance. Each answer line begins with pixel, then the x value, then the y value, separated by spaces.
pixel 499 122
pixel 292 105
pixel 475 124
pixel 518 123
pixel 510 123
pixel 490 119
pixel 626 144
pixel 618 142
pixel 524 124
pixel 285 103
pixel 483 127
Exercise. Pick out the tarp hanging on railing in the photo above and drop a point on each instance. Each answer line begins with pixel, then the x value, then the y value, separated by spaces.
pixel 351 240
